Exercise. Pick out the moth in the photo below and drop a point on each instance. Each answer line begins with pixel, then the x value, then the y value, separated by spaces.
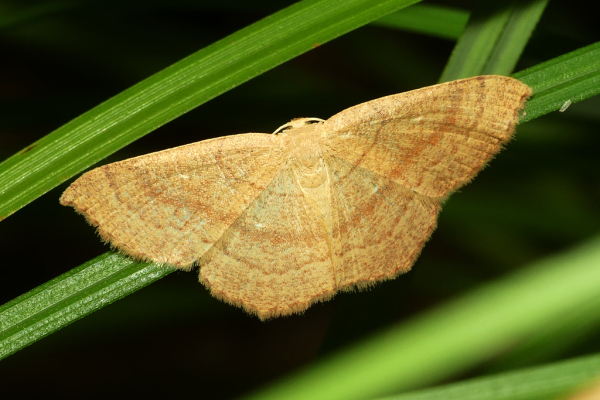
pixel 277 222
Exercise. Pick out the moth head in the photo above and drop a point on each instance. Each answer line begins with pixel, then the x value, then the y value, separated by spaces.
pixel 298 123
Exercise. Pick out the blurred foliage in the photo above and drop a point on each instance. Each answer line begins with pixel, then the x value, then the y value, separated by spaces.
pixel 539 198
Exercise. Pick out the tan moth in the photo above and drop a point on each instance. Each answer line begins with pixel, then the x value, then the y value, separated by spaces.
pixel 277 222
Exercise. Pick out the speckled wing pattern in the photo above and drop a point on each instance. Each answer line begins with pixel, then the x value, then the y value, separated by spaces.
pixel 171 206
pixel 279 222
pixel 395 159
pixel 274 259
pixel 431 140
pixel 379 226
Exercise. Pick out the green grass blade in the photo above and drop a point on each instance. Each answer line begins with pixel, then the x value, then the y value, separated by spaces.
pixel 545 382
pixel 72 296
pixel 430 19
pixel 454 337
pixel 574 76
pixel 494 39
pixel 555 339
pixel 510 44
pixel 477 42
pixel 178 89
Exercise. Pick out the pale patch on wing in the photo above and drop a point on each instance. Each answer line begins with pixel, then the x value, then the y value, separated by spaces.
pixel 274 259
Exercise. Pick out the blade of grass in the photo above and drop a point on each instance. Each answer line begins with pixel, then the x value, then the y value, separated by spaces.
pixel 430 19
pixel 510 44
pixel 178 89
pixel 454 337
pixel 574 76
pixel 494 38
pixel 555 339
pixel 544 382
pixel 477 42
pixel 71 296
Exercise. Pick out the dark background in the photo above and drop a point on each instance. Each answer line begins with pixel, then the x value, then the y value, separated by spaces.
pixel 539 196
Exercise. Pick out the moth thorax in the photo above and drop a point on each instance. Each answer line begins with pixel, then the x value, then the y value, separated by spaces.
pixel 308 153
